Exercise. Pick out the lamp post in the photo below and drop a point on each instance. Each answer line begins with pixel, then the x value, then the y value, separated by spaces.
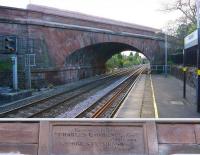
pixel 166 53
pixel 198 55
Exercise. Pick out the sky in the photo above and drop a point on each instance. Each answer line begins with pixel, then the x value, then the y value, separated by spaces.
pixel 142 12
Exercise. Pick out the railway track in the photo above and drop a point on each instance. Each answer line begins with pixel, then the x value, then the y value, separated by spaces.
pixel 107 106
pixel 37 108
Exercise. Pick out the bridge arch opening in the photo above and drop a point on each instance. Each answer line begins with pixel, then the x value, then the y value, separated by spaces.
pixel 126 59
pixel 91 60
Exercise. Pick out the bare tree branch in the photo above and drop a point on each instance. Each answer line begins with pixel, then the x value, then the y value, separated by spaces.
pixel 186 7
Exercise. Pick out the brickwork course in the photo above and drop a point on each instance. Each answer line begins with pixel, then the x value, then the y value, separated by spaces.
pixel 73 46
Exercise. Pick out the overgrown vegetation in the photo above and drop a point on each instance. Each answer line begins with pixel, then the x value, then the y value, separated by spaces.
pixel 5 65
pixel 120 61
pixel 185 24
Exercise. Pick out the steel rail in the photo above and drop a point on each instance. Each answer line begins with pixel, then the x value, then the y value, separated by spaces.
pixel 109 78
pixel 65 100
pixel 100 110
pixel 53 96
pixel 124 97
pixel 104 108
pixel 68 99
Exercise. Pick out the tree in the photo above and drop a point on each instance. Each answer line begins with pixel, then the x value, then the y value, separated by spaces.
pixel 186 23
pixel 186 7
pixel 119 56
pixel 119 61
pixel 131 57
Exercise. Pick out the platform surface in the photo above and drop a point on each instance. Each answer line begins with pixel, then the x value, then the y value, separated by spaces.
pixel 169 98
pixel 133 102
pixel 139 102
pixel 157 95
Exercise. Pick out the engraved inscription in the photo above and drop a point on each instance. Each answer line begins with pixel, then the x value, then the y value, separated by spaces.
pixel 97 140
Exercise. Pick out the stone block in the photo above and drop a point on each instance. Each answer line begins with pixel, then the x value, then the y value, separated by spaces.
pixel 176 134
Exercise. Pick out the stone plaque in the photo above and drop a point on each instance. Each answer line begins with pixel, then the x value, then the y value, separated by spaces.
pixel 101 140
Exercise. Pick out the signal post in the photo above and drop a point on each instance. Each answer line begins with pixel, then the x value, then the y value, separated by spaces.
pixel 14 69
pixel 10 47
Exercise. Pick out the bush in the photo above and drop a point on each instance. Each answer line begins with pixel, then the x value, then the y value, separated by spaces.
pixel 120 61
pixel 5 65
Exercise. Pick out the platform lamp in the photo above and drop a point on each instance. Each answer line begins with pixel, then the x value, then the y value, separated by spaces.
pixel 166 54
pixel 198 54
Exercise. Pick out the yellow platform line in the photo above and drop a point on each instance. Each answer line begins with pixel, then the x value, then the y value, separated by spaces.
pixel 154 100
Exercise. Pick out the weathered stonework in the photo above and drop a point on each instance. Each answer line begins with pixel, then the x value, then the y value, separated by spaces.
pixel 100 137
pixel 61 40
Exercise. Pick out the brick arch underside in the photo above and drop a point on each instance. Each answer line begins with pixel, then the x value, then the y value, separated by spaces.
pixel 83 54
pixel 95 57
pixel 63 43
pixel 80 54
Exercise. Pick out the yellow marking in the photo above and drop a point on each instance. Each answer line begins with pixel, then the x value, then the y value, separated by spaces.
pixel 154 99
pixel 184 69
pixel 198 72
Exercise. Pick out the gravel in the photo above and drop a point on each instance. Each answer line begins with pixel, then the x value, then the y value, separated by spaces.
pixel 72 113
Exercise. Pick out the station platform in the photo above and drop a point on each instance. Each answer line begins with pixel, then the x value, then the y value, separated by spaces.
pixel 139 102
pixel 155 96
pixel 169 98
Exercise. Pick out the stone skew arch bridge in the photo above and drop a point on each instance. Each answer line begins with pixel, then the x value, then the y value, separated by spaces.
pixel 75 45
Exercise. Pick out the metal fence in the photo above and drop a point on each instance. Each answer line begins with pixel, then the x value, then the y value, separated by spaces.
pixel 160 68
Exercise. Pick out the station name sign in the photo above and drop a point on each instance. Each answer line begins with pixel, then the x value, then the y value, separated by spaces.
pixel 191 40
